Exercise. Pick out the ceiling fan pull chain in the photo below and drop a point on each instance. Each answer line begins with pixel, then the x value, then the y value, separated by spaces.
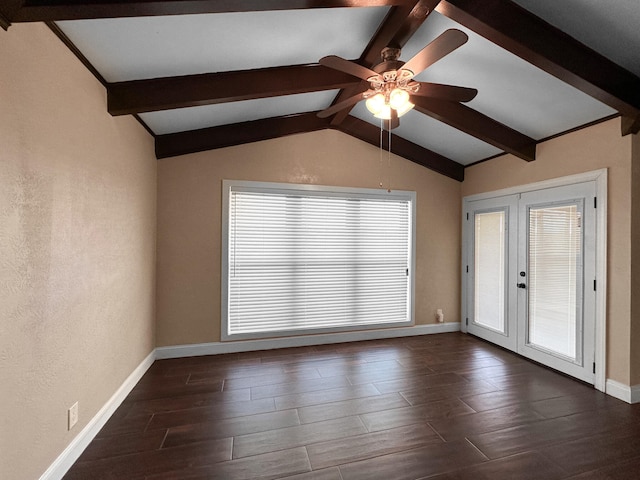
pixel 389 163
pixel 380 151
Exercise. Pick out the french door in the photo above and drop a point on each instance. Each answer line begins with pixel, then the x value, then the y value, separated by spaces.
pixel 531 275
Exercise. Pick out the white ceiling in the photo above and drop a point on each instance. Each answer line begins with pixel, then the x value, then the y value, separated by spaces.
pixel 149 47
pixel 194 118
pixel 511 91
pixel 611 27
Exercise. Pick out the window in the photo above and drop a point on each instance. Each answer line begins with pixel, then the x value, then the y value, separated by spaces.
pixel 307 259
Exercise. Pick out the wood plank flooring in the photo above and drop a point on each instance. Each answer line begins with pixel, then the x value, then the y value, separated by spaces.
pixel 445 407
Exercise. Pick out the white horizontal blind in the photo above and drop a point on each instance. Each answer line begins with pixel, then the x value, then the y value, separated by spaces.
pixel 555 267
pixel 490 267
pixel 316 260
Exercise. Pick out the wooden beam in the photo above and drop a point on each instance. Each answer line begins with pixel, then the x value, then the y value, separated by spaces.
pixel 53 10
pixel 8 10
pixel 520 32
pixel 396 29
pixel 630 125
pixel 182 143
pixel 478 125
pixel 371 134
pixel 139 96
pixel 4 21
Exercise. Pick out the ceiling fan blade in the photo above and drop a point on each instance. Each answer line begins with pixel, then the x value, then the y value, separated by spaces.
pixel 327 112
pixel 446 92
pixel 352 68
pixel 393 122
pixel 442 46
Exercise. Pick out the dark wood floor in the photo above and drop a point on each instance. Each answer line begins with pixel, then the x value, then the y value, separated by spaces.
pixel 442 407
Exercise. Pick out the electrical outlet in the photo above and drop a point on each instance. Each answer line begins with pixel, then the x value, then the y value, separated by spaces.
pixel 439 315
pixel 72 416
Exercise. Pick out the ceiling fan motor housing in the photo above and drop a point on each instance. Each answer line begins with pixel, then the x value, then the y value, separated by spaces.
pixel 390 73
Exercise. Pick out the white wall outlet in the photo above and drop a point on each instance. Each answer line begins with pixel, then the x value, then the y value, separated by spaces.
pixel 72 416
pixel 439 316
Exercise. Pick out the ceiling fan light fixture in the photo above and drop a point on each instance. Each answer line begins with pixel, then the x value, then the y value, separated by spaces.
pixel 405 108
pixel 376 104
pixel 385 113
pixel 398 100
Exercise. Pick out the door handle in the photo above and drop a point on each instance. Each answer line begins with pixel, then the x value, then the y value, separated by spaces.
pixel 521 285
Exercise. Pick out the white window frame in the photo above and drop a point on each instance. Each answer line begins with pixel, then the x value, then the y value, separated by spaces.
pixel 228 186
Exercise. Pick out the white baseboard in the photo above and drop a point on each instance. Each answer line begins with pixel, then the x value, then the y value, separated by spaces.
pixel 626 393
pixel 618 390
pixel 67 458
pixel 635 394
pixel 216 348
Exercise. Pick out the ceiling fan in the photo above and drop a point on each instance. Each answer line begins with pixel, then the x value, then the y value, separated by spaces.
pixel 391 85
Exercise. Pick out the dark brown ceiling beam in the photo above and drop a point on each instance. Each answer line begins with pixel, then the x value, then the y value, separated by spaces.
pixel 630 125
pixel 182 143
pixel 479 126
pixel 4 22
pixel 396 29
pixel 52 10
pixel 140 96
pixel 8 10
pixel 371 134
pixel 520 32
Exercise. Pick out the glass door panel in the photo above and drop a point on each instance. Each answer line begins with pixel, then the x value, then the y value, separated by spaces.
pixel 490 270
pixel 555 258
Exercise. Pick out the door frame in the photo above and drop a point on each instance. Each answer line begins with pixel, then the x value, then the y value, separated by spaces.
pixel 600 179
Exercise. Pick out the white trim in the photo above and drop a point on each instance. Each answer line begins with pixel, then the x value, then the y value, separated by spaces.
pixel 67 458
pixel 626 393
pixel 600 178
pixel 600 351
pixel 618 390
pixel 216 348
pixel 464 269
pixel 552 182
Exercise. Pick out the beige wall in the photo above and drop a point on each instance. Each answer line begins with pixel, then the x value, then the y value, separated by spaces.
pixel 77 248
pixel 635 263
pixel 189 220
pixel 596 147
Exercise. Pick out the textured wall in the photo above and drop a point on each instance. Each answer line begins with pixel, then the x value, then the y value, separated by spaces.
pixel 77 248
pixel 635 263
pixel 593 148
pixel 189 220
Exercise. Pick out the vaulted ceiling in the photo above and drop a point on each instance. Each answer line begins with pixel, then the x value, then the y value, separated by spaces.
pixel 206 74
